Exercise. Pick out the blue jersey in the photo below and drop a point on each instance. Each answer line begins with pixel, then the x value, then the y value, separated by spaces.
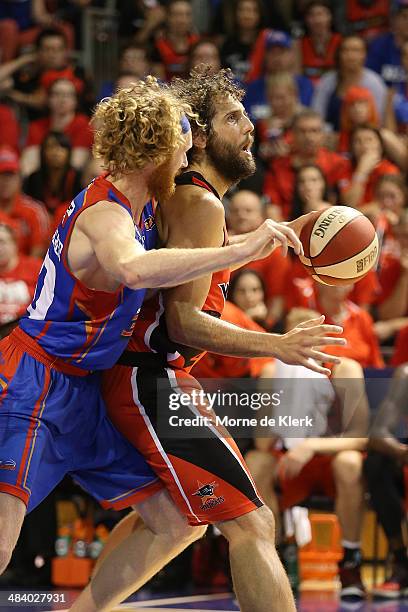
pixel 85 327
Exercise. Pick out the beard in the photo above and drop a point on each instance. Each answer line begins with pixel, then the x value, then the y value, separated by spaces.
pixel 229 160
pixel 161 184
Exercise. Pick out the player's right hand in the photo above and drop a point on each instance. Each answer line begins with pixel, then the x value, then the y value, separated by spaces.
pixel 270 235
pixel 298 346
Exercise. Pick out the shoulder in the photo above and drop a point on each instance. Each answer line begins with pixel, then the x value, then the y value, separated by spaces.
pixel 372 78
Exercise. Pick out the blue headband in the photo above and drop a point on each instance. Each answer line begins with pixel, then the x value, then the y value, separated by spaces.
pixel 185 124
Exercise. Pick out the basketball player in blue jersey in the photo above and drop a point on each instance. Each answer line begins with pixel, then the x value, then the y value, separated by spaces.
pixel 90 288
pixel 194 216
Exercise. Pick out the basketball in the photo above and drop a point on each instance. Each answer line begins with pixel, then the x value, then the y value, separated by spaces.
pixel 340 245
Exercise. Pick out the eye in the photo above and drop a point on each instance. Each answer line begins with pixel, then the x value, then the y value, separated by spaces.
pixel 233 118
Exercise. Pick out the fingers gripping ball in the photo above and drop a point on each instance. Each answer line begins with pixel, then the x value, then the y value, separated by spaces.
pixel 340 245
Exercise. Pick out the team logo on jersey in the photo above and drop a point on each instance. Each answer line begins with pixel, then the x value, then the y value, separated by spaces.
pixel 224 289
pixel 208 498
pixel 149 223
pixel 126 333
pixel 7 464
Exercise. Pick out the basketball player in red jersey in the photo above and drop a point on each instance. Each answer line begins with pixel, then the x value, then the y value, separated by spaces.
pixel 89 292
pixel 205 477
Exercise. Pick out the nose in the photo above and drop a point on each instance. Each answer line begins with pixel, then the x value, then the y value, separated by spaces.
pixel 249 126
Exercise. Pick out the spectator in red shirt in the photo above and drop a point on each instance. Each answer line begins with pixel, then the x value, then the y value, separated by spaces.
pixel 366 166
pixel 319 45
pixel 172 47
pixel 307 148
pixel 56 182
pixel 9 129
pixel 247 291
pixel 63 117
pixel 245 213
pixel 18 274
pixel 31 216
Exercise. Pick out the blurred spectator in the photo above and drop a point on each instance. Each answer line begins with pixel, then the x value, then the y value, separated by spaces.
pixel 307 148
pixel 274 135
pixel 396 116
pixel 31 216
pixel 245 213
pixel 9 129
pixel 311 191
pixel 390 200
pixel 63 117
pixel 384 52
pixel 220 366
pixel 18 273
pixel 366 166
pixel 358 108
pixel 138 19
pixel 393 272
pixel 21 22
pixel 56 182
pixel 205 51
pixel 247 291
pixel 385 471
pixel 319 45
pixel 365 18
pixel 350 71
pixel 362 344
pixel 279 57
pixel 172 46
pixel 244 48
pixel 133 62
pixel 33 74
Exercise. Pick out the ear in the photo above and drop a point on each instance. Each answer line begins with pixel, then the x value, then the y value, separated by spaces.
pixel 200 140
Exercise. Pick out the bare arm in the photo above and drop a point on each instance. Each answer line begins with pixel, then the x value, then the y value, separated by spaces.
pixel 110 234
pixel 395 148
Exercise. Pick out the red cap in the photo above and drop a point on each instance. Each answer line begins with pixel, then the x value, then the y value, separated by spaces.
pixel 9 161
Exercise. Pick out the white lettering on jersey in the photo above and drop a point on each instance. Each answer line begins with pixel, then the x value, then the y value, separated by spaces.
pixel 57 244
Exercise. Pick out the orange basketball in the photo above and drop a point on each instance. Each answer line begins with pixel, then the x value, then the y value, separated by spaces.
pixel 340 245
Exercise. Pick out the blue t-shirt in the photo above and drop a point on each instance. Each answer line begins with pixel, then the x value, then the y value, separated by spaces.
pixel 384 57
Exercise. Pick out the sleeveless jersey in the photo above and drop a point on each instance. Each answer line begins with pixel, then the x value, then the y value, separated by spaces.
pixel 150 334
pixel 85 327
pixel 315 65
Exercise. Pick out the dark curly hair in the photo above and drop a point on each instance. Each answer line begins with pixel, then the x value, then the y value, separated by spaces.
pixel 202 90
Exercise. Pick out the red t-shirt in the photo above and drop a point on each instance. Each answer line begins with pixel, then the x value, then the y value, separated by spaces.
pixel 219 366
pixel 384 167
pixel 314 64
pixel 17 288
pixel 280 177
pixel 9 129
pixel 78 131
pixel 389 269
pixel 33 221
pixel 274 271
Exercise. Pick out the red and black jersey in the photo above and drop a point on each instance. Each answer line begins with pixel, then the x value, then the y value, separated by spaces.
pixel 315 64
pixel 368 17
pixel 150 334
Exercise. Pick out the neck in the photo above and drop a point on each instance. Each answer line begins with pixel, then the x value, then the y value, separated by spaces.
pixel 134 187
pixel 6 204
pixel 247 36
pixel 61 120
pixel 331 308
pixel 219 182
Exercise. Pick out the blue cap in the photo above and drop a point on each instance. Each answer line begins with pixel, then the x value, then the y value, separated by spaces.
pixel 278 38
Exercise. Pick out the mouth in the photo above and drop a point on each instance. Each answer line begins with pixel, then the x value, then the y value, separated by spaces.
pixel 247 148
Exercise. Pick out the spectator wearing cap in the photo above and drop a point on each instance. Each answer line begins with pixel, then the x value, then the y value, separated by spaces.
pixel 279 57
pixel 384 52
pixel 20 23
pixel 319 45
pixel 28 77
pixel 18 273
pixel 350 71
pixel 30 215
pixel 63 117
pixel 173 44
pixel 307 148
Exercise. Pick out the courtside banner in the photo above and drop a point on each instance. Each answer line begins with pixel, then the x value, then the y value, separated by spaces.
pixel 283 408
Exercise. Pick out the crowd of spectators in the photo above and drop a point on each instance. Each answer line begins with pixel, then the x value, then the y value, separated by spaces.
pixel 326 88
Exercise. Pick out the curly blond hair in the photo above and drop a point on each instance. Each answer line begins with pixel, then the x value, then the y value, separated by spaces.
pixel 202 91
pixel 138 125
